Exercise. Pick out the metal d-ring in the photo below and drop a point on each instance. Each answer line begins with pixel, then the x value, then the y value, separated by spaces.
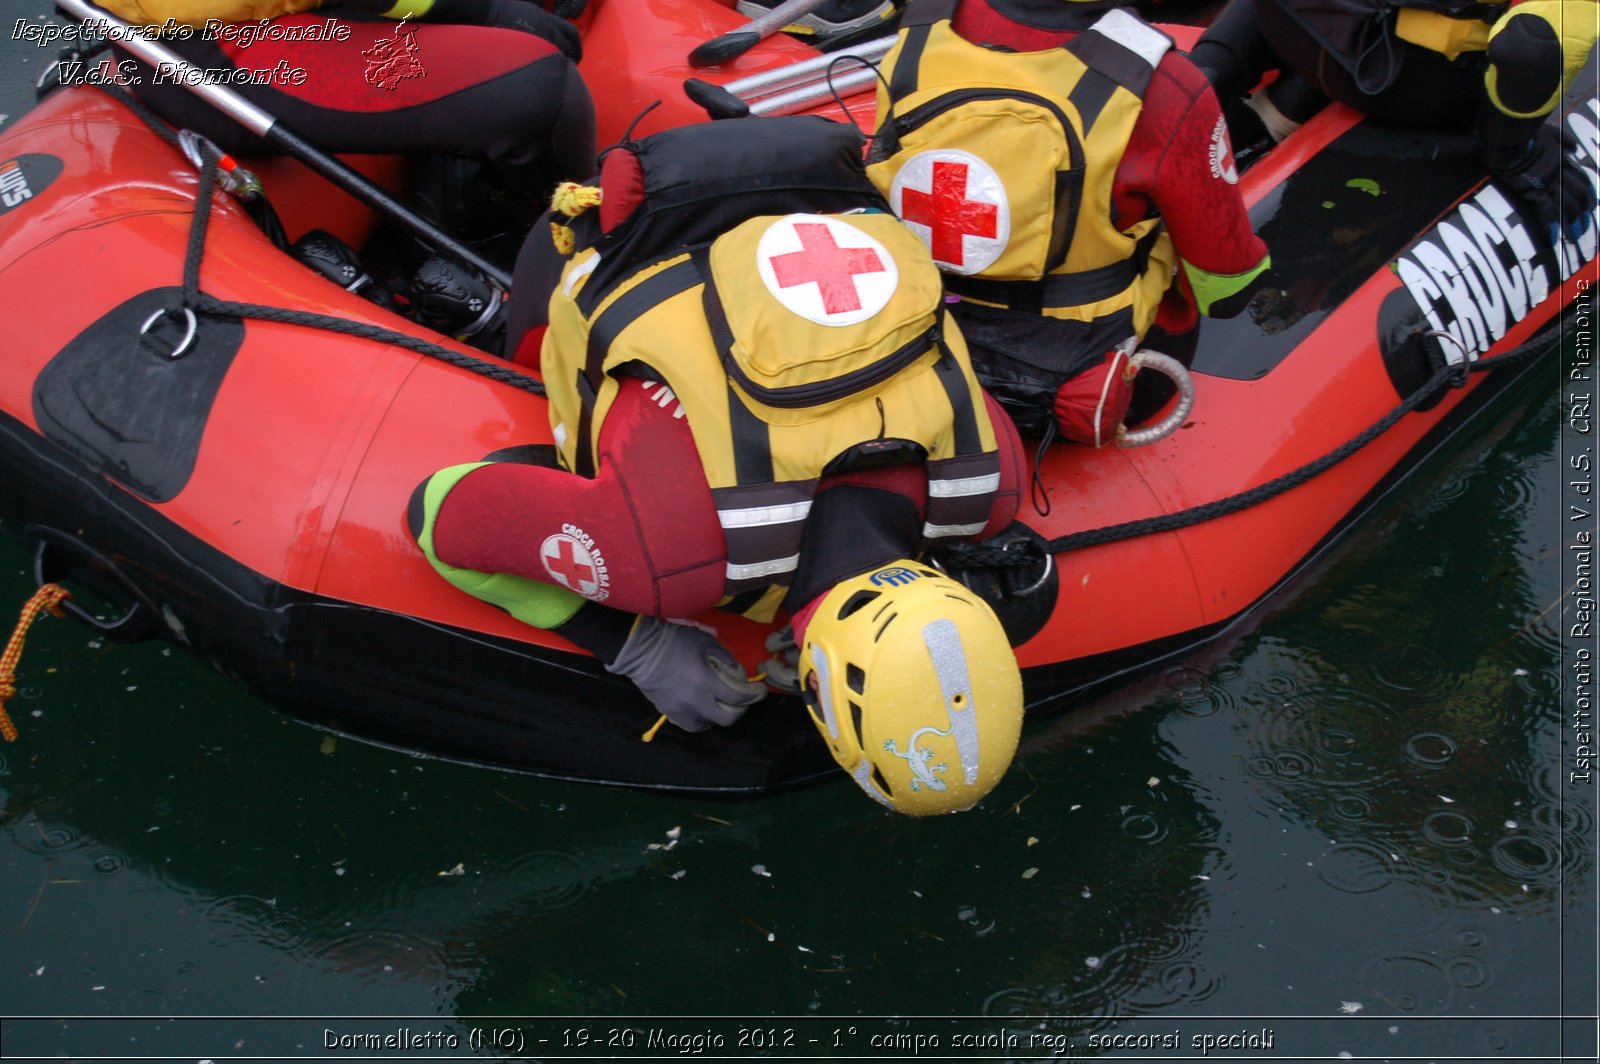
pixel 1466 358
pixel 1049 564
pixel 193 146
pixel 191 326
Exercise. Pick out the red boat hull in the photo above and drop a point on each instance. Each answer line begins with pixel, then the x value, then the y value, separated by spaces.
pixel 262 524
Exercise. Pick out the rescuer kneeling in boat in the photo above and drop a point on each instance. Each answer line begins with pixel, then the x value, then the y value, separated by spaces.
pixel 490 79
pixel 1072 175
pixel 756 408
pixel 1490 68
pixel 452 80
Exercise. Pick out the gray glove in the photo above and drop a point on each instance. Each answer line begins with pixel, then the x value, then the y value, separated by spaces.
pixel 686 673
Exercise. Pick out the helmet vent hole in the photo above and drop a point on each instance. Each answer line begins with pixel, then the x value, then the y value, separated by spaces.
pixel 884 627
pixel 855 722
pixel 855 678
pixel 855 602
pixel 883 784
pixel 959 700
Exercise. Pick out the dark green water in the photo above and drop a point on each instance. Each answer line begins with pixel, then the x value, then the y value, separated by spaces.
pixel 1349 832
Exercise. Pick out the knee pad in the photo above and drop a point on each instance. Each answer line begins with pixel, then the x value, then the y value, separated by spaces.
pixel 1534 53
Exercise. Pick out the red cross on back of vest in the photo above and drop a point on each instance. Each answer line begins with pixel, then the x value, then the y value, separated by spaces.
pixel 824 269
pixel 948 213
pixel 957 204
pixel 830 267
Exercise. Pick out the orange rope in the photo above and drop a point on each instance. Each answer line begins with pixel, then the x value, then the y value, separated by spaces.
pixel 48 597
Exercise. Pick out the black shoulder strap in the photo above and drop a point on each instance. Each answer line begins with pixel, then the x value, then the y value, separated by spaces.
pixel 603 332
pixel 752 437
pixel 918 19
pixel 1115 60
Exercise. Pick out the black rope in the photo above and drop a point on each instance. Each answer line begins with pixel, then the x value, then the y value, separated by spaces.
pixel 198 228
pixel 143 113
pixel 200 303
pixel 503 372
pixel 1032 553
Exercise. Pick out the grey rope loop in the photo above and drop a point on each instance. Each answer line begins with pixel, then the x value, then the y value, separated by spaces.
pixel 984 556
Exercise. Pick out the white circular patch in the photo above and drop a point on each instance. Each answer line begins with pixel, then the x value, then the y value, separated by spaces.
pixel 570 563
pixel 825 270
pixel 956 203
pixel 1222 166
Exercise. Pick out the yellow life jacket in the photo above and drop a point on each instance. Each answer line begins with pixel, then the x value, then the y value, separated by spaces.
pixel 797 345
pixel 198 12
pixel 1003 163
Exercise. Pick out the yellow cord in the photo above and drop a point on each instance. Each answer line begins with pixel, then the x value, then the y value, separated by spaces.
pixel 570 200
pixel 651 734
pixel 48 597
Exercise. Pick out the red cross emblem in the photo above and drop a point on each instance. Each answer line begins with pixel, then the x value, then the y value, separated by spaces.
pixel 956 203
pixel 570 563
pixel 948 213
pixel 823 262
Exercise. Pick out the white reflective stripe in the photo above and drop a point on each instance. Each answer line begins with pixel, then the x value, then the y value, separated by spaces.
pixel 1143 40
pixel 932 531
pixel 954 487
pixel 578 273
pixel 819 662
pixel 862 774
pixel 949 656
pixel 559 434
pixel 760 570
pixel 753 516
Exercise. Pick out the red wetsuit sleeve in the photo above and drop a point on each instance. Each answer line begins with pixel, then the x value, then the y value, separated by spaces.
pixel 642 535
pixel 1179 164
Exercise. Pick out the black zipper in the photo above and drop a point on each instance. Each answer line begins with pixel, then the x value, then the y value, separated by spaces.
pixel 923 113
pixel 816 394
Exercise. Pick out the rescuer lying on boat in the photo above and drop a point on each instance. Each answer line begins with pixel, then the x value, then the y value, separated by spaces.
pixel 759 409
pixel 1064 164
pixel 1489 68
pixel 493 79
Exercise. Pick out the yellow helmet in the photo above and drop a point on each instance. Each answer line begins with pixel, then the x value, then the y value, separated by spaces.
pixel 912 682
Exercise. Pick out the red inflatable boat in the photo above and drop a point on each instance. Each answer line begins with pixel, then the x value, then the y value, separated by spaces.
pixel 246 500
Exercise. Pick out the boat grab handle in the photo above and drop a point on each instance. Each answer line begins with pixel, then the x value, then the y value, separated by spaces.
pixel 1178 374
pixel 58 553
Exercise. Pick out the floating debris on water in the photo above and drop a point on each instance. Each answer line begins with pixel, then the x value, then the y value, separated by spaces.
pixel 1351 1007
pixel 459 870
pixel 761 870
pixel 1030 873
